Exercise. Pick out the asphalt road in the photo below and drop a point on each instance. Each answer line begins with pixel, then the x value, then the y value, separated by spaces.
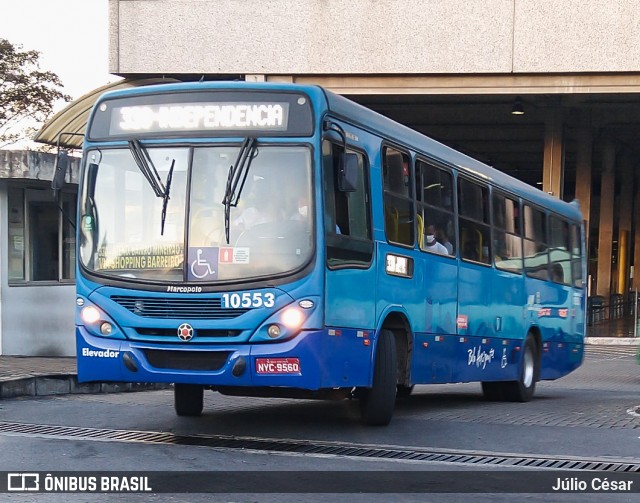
pixel 448 435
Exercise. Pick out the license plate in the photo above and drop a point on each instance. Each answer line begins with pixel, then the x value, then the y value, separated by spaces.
pixel 278 366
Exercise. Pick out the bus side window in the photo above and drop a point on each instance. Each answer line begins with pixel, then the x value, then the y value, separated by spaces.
pixel 473 208
pixel 398 205
pixel 536 250
pixel 434 192
pixel 507 237
pixel 576 256
pixel 560 250
pixel 346 214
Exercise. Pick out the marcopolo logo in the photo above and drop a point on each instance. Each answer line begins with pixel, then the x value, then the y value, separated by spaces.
pixel 184 289
pixel 102 353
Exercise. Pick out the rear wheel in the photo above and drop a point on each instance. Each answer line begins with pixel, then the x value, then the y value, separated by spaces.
pixel 493 391
pixel 188 399
pixel 521 390
pixel 377 403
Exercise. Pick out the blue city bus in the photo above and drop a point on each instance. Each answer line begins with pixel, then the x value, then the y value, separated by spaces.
pixel 280 240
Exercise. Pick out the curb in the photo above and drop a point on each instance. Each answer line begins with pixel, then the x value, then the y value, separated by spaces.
pixel 58 384
pixel 613 341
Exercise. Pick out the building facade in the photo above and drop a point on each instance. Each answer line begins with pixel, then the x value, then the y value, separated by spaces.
pixel 37 291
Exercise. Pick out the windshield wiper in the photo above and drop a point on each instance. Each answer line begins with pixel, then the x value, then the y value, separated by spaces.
pixel 236 179
pixel 146 166
pixel 149 171
pixel 166 196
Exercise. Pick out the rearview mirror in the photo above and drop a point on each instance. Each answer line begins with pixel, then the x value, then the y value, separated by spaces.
pixel 348 172
pixel 60 171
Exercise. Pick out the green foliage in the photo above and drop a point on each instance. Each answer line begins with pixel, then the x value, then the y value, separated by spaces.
pixel 27 94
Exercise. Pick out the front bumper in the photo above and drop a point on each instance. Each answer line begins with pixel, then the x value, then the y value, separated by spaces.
pixel 326 361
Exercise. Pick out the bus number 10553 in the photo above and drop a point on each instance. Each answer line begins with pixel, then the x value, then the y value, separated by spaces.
pixel 247 299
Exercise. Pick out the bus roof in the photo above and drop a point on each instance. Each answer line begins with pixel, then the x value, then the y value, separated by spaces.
pixel 341 107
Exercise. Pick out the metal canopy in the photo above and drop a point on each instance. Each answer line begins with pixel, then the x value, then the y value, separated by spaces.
pixel 73 118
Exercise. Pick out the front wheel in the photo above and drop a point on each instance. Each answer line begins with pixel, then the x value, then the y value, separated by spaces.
pixel 377 403
pixel 188 399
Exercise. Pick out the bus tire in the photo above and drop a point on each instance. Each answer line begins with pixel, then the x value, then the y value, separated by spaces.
pixel 188 399
pixel 378 402
pixel 523 389
pixel 403 391
pixel 493 391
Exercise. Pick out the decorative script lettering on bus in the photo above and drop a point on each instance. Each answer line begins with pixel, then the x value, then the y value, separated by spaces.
pixel 203 117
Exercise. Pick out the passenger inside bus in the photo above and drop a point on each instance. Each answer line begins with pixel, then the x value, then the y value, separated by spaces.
pixel 432 244
pixel 442 238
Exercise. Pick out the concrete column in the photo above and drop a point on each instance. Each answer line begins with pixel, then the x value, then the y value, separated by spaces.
pixel 605 234
pixel 583 176
pixel 553 169
pixel 624 221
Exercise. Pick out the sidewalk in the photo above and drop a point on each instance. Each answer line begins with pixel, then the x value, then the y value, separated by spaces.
pixel 617 332
pixel 41 375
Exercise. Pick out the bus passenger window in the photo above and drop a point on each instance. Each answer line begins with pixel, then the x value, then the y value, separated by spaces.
pixel 398 205
pixel 435 222
pixel 536 252
pixel 507 234
pixel 576 256
pixel 560 250
pixel 473 208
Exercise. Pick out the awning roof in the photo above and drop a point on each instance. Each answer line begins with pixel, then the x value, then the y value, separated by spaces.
pixel 73 118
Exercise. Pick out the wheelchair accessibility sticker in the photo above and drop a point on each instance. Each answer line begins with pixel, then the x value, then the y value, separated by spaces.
pixel 203 263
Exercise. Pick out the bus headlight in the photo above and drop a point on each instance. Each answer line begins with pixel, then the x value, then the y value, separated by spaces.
pixel 90 314
pixel 95 321
pixel 289 321
pixel 292 318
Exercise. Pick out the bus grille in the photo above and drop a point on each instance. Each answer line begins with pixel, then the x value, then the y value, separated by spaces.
pixel 186 360
pixel 199 309
pixel 172 332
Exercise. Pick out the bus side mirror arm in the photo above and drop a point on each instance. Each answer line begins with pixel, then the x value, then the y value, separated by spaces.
pixel 62 166
pixel 60 172
pixel 347 168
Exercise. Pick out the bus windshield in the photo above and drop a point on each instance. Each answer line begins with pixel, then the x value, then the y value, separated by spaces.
pixel 128 231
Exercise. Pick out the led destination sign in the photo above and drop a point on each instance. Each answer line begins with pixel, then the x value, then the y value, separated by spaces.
pixel 193 113
pixel 197 116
